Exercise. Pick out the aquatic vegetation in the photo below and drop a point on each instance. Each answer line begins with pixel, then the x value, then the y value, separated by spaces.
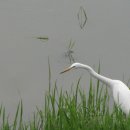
pixel 82 17
pixel 69 53
pixel 43 39
pixel 70 110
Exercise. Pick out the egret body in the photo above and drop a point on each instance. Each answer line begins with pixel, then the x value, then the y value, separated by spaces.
pixel 121 93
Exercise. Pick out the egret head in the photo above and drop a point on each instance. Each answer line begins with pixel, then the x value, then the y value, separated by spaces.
pixel 73 66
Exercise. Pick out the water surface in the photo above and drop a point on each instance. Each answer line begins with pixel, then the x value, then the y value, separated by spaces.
pixel 24 59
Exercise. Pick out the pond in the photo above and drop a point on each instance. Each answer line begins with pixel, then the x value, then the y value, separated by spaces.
pixel 33 30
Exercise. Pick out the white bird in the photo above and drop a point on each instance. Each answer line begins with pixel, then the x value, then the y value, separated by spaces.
pixel 121 93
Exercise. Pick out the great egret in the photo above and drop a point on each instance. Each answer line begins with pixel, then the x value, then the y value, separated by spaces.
pixel 121 93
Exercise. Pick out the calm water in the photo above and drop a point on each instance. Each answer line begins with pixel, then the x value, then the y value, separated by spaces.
pixel 24 59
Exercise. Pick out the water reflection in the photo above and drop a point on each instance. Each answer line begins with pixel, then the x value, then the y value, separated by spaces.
pixel 69 54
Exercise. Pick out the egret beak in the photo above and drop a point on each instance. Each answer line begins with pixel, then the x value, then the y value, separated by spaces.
pixel 67 69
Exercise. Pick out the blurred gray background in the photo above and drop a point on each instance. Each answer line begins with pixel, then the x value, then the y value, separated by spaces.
pixel 24 59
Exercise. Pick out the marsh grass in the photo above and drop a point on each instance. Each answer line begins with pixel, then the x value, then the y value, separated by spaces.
pixel 76 111
pixel 70 110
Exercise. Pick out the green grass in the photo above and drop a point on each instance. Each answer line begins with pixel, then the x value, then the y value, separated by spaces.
pixel 73 110
pixel 70 110
pixel 76 111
